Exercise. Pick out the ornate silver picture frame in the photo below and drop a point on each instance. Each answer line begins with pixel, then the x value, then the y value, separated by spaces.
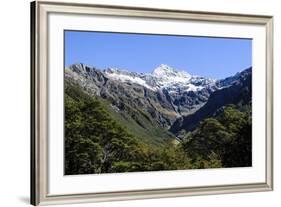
pixel 43 189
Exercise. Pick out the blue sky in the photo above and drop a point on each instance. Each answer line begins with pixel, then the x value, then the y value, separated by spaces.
pixel 209 57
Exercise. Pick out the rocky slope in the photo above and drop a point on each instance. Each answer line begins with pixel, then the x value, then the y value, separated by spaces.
pixel 162 96
pixel 235 90
pixel 166 99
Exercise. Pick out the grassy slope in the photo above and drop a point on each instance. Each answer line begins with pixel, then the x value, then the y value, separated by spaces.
pixel 141 126
pixel 137 122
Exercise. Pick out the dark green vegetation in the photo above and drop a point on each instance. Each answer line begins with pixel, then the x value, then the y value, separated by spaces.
pixel 96 143
pixel 227 138
pixel 99 140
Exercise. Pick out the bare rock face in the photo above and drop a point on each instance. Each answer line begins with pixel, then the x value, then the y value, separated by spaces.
pixel 170 98
pixel 164 95
pixel 235 90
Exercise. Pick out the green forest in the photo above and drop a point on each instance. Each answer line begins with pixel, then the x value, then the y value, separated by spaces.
pixel 96 142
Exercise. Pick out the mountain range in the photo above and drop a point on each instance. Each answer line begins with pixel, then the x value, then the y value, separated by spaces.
pixel 156 106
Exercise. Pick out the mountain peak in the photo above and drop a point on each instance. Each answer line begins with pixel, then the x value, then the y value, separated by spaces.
pixel 80 68
pixel 164 70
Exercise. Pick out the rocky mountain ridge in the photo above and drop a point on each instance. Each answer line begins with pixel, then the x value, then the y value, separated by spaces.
pixel 162 77
pixel 234 90
pixel 163 96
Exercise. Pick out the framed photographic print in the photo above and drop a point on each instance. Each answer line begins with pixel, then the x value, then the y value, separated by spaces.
pixel 134 103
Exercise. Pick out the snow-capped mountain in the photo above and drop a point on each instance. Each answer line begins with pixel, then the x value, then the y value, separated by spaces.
pixel 169 75
pixel 234 90
pixel 163 77
pixel 164 95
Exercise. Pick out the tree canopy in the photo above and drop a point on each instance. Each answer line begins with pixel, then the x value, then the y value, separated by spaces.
pixel 96 143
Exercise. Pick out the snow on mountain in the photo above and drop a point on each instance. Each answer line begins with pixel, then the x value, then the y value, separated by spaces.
pixel 168 76
pixel 167 72
pixel 126 76
pixel 165 93
pixel 162 77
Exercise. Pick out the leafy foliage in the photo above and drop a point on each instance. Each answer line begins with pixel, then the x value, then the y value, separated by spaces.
pixel 97 142
pixel 227 138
